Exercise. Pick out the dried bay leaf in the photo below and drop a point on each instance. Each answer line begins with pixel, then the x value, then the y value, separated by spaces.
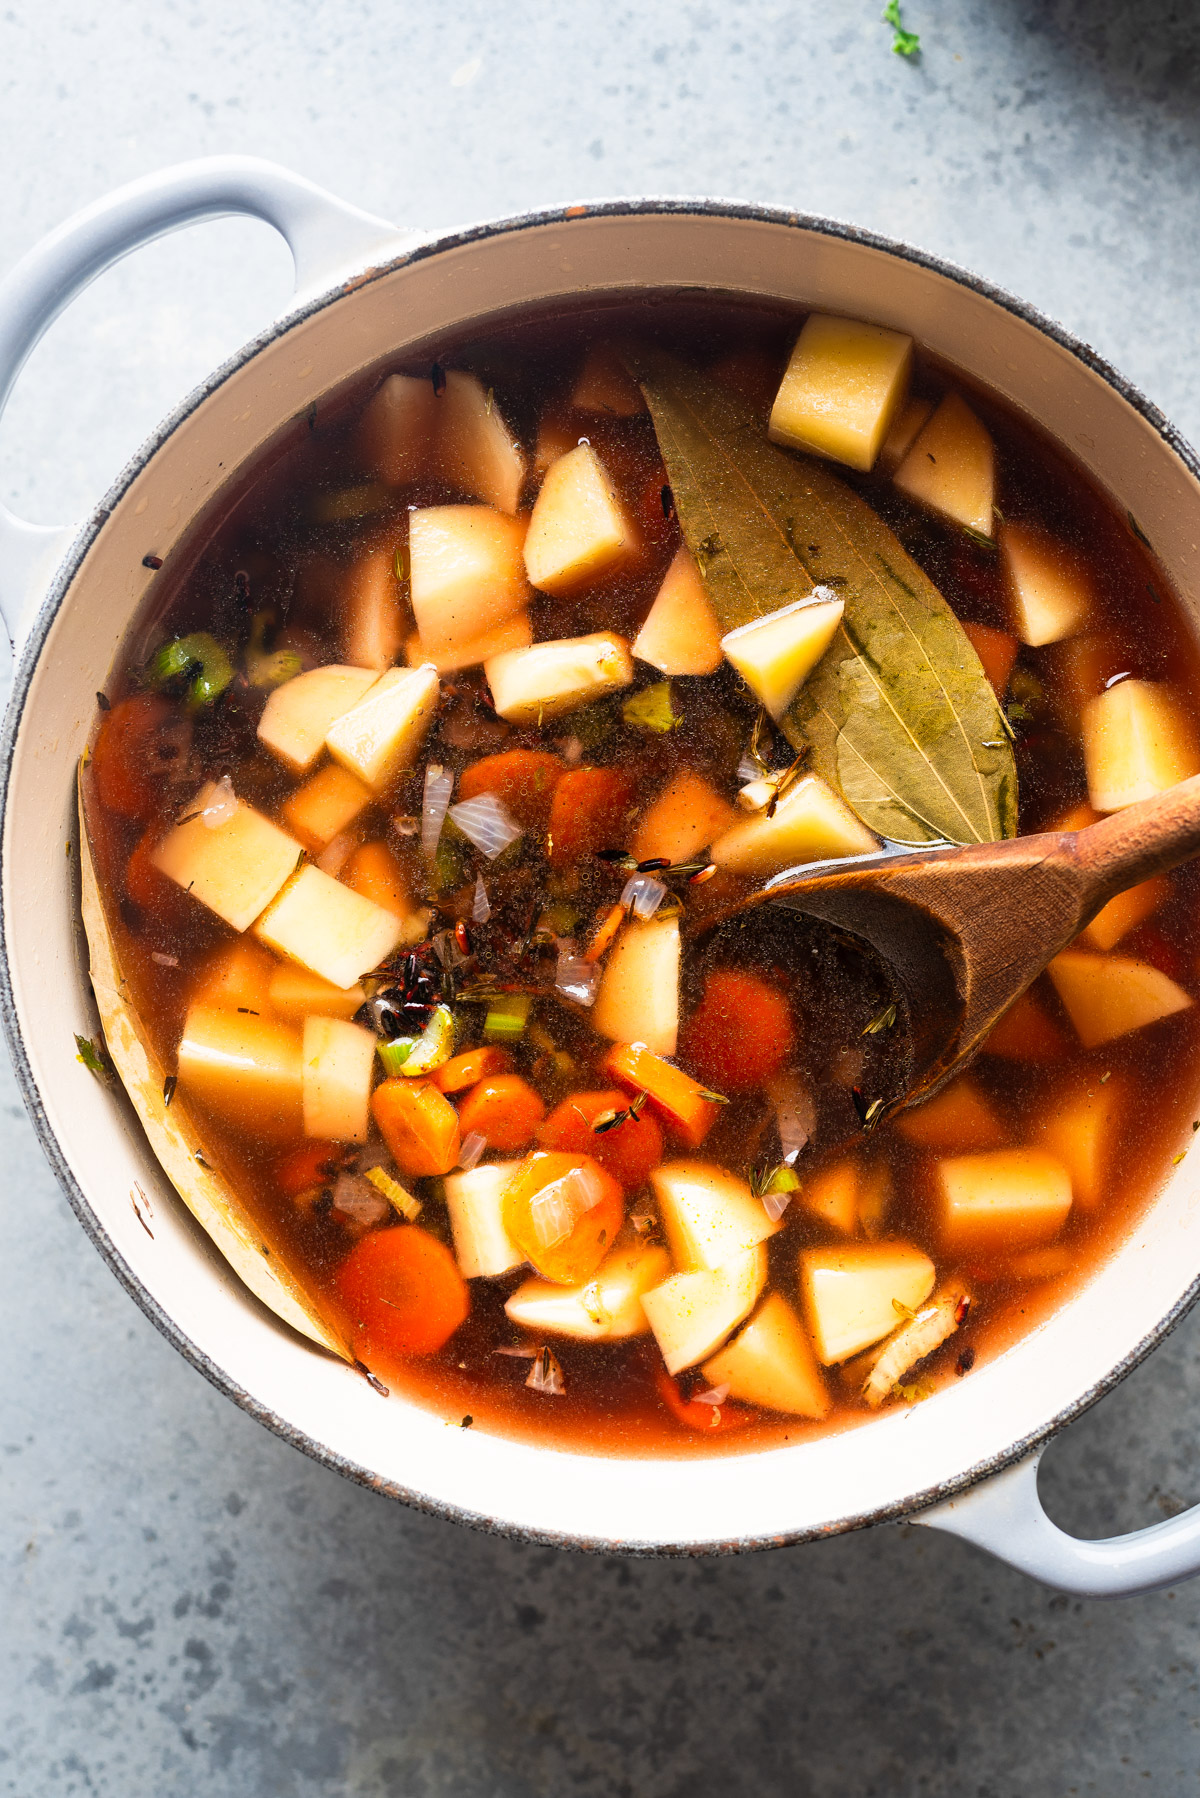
pixel 899 713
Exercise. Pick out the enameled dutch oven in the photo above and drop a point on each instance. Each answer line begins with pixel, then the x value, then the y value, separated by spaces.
pixel 966 1460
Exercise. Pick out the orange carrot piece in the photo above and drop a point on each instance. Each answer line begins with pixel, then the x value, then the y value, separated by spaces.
pixel 404 1294
pixel 464 1070
pixel 740 1033
pixel 504 1108
pixel 997 651
pixel 418 1124
pixel 237 978
pixel 313 1164
pixel 958 1119
pixel 149 888
pixel 679 1099
pixel 1026 1032
pixel 605 931
pixel 712 1419
pixel 127 762
pixel 523 780
pixel 375 872
pixel 589 811
pixel 629 1151
pixel 578 1182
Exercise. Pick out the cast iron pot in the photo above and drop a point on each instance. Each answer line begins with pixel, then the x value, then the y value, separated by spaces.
pixel 966 1460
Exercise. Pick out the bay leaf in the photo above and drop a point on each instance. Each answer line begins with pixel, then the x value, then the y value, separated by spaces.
pixel 899 714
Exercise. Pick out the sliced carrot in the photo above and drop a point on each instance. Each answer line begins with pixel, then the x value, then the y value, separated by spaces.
pixel 997 650
pixel 464 1070
pixel 678 1099
pixel 712 1419
pixel 405 1295
pixel 418 1124
pixel 236 978
pixel 523 780
pixel 503 1108
pixel 589 811
pixel 132 754
pixel 563 1212
pixel 375 872
pixel 629 1151
pixel 313 1164
pixel 740 1033
pixel 605 932
pixel 1026 1032
pixel 150 889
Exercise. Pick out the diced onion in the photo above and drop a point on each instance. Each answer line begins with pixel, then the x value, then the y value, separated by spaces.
pixel 439 784
pixel 164 961
pixel 748 768
pixel 486 823
pixel 481 909
pixel 716 1395
pixel 546 1375
pixel 795 1114
pixel 557 1208
pixel 356 1198
pixel 336 854
pixel 643 895
pixel 576 978
pixel 222 805
pixel 757 794
pixel 572 751
pixel 474 1144
pixel 775 1204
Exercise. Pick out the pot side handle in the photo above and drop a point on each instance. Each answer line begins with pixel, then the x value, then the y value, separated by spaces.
pixel 1004 1515
pixel 326 238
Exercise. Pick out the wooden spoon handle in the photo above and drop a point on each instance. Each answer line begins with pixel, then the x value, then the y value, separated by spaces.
pixel 1145 839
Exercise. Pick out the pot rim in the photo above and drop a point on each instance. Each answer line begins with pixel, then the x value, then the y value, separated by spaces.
pixel 428 247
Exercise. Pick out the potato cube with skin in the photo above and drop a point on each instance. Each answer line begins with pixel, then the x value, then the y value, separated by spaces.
pixel 951 468
pixel 996 1203
pixel 381 736
pixel 373 617
pixel 339 1062
pixel 638 1000
pixel 515 633
pixel 604 385
pixel 482 1245
pixel 710 1216
pixel 909 421
pixel 328 929
pixel 851 1293
pixel 1050 592
pixel 843 386
pixel 579 530
pixel 328 803
pixel 681 634
pixel 771 1363
pixel 775 654
pixel 1137 741
pixel 297 716
pixel 958 1117
pixel 235 867
pixel 691 1315
pixel 466 574
pixel 548 679
pixel 811 823
pixel 1107 996
pixel 686 817
pixel 1080 1127
pixel 396 431
pixel 606 1308
pixel 246 1069
pixel 475 450
pixel 295 994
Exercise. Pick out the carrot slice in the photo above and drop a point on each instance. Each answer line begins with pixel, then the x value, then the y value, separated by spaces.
pixel 679 1099
pixel 405 1295
pixel 589 811
pixel 523 780
pixel 996 650
pixel 132 754
pixel 418 1124
pixel 151 890
pixel 374 872
pixel 313 1164
pixel 504 1108
pixel 712 1419
pixel 628 1151
pixel 471 1066
pixel 605 932
pixel 740 1033
pixel 563 1212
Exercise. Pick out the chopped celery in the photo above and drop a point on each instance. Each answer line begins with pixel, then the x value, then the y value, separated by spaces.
pixel 507 1017
pixel 200 659
pixel 394 1053
pixel 350 502
pixel 652 709
pixel 395 1194
pixel 417 1055
pixel 267 668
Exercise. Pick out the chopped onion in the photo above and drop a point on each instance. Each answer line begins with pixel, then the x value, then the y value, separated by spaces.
pixel 795 1114
pixel 472 1150
pixel 517 1351
pixel 757 794
pixel 164 961
pixel 775 1204
pixel 572 751
pixel 439 784
pixel 335 855
pixel 749 768
pixel 546 1375
pixel 404 826
pixel 222 805
pixel 576 978
pixel 356 1198
pixel 486 823
pixel 481 909
pixel 555 1211
pixel 643 895
pixel 716 1395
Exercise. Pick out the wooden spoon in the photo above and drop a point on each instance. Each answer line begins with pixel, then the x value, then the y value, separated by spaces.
pixel 965 931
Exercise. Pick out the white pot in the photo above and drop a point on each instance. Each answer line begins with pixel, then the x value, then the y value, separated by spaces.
pixel 368 292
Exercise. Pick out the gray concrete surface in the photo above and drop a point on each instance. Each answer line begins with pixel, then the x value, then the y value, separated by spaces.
pixel 190 1608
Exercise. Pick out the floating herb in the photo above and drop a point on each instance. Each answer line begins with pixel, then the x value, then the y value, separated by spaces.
pixel 883 1020
pixel 652 709
pixel 904 42
pixel 94 1057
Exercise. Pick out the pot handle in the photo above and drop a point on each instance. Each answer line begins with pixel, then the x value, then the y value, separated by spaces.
pixel 325 236
pixel 1004 1515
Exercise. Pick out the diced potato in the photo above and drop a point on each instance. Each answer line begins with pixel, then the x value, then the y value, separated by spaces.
pixel 771 1363
pixel 1106 996
pixel 237 976
pixel 774 655
pixel 297 716
pixel 1038 1264
pixel 843 386
pixel 554 439
pixel 851 1293
pixel 687 816
pixel 1079 669
pixel 373 620
pixel 811 823
pixel 995 1203
pixel 638 1000
pixel 1050 591
pixel 475 449
pixel 235 868
pixel 247 1069
pixel 997 651
pixel 1125 913
pixel 515 633
pixel 466 574
pixel 328 802
pixel 381 736
pixel 874 1199
pixel 579 530
pixel 295 994
pixel 1137 741
pixel 691 1315
pixel 328 929
pixel 681 634
pixel 832 1196
pixel 481 1243
pixel 604 385
pixel 339 1062
pixel 909 421
pixel 710 1216
pixel 608 1308
pixel 951 468
pixel 959 1117
pixel 551 678
pixel 374 871
pixel 396 431
pixel 1079 1127
pixel 1026 1032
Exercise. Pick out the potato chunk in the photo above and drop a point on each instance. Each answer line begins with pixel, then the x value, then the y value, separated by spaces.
pixel 466 573
pixel 710 1216
pixel 1049 589
pixel 607 1308
pixel 475 449
pixel 995 1203
pixel 832 1196
pixel 381 736
pixel 603 385
pixel 247 1069
pixel 1079 1127
pixel 811 823
pixel 771 1363
pixel 328 929
pixel 235 867
pixel 909 421
pixel 396 431
pixel 339 1061
pixel 951 468
pixel 515 633
pixel 851 1293
pixel 297 716
pixel 1124 913
pixel 373 619
pixel 579 530
pixel 239 974
pixel 681 634
pixel 691 1315
pixel 1137 741
pixel 687 816
pixel 295 994
pixel 328 803
pixel 959 1117
pixel 842 388
pixel 638 1001
pixel 481 1243
pixel 550 678
pixel 774 655
pixel 1106 996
